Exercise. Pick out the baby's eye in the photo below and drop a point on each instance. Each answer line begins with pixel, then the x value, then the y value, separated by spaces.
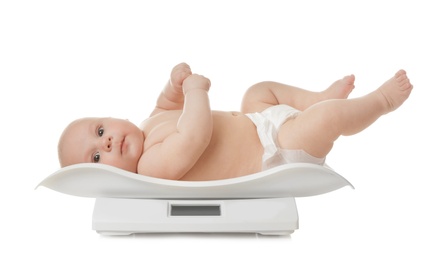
pixel 100 131
pixel 96 157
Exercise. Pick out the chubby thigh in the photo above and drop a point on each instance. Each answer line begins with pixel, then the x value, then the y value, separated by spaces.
pixel 308 131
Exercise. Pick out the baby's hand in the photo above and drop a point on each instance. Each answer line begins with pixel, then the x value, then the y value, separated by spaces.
pixel 196 81
pixel 179 73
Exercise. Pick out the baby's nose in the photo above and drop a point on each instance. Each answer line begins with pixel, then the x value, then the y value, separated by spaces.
pixel 107 143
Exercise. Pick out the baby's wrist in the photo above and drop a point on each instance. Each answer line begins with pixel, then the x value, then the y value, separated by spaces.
pixel 193 90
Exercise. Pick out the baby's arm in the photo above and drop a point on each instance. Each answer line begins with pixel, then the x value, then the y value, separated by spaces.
pixel 172 97
pixel 179 151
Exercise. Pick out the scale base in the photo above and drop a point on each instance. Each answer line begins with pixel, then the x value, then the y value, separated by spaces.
pixel 276 216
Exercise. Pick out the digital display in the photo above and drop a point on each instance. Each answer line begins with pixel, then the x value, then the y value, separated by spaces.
pixel 195 210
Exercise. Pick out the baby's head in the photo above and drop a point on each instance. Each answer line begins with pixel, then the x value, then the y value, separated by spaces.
pixel 111 141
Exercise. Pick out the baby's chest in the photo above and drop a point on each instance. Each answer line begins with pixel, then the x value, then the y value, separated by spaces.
pixel 156 131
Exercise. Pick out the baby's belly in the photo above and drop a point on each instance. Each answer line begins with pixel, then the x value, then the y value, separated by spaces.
pixel 235 149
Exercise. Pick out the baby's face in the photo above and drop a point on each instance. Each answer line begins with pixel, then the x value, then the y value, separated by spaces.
pixel 111 141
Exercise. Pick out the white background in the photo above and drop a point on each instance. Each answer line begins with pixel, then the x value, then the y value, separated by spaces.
pixel 60 60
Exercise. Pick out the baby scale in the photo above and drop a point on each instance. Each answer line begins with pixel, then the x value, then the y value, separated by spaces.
pixel 128 203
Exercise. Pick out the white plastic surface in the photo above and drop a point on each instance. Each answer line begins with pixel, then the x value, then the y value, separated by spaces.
pixel 277 216
pixel 104 181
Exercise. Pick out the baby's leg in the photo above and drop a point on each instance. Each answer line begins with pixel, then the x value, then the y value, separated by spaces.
pixel 315 129
pixel 266 94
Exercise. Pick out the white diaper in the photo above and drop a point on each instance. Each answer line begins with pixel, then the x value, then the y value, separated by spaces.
pixel 267 124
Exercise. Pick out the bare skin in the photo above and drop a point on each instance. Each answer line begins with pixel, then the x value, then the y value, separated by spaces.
pixel 322 122
pixel 184 140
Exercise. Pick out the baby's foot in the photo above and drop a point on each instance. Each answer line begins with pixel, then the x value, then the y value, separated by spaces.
pixel 340 89
pixel 396 90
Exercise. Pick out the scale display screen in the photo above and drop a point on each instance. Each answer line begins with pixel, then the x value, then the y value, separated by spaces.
pixel 195 210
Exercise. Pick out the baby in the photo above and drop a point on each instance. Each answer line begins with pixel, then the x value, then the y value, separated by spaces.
pixel 184 140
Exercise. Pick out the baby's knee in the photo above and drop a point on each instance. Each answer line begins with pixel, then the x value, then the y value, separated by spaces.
pixel 258 97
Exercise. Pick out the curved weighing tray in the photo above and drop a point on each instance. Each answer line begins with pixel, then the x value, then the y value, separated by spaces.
pixel 100 180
